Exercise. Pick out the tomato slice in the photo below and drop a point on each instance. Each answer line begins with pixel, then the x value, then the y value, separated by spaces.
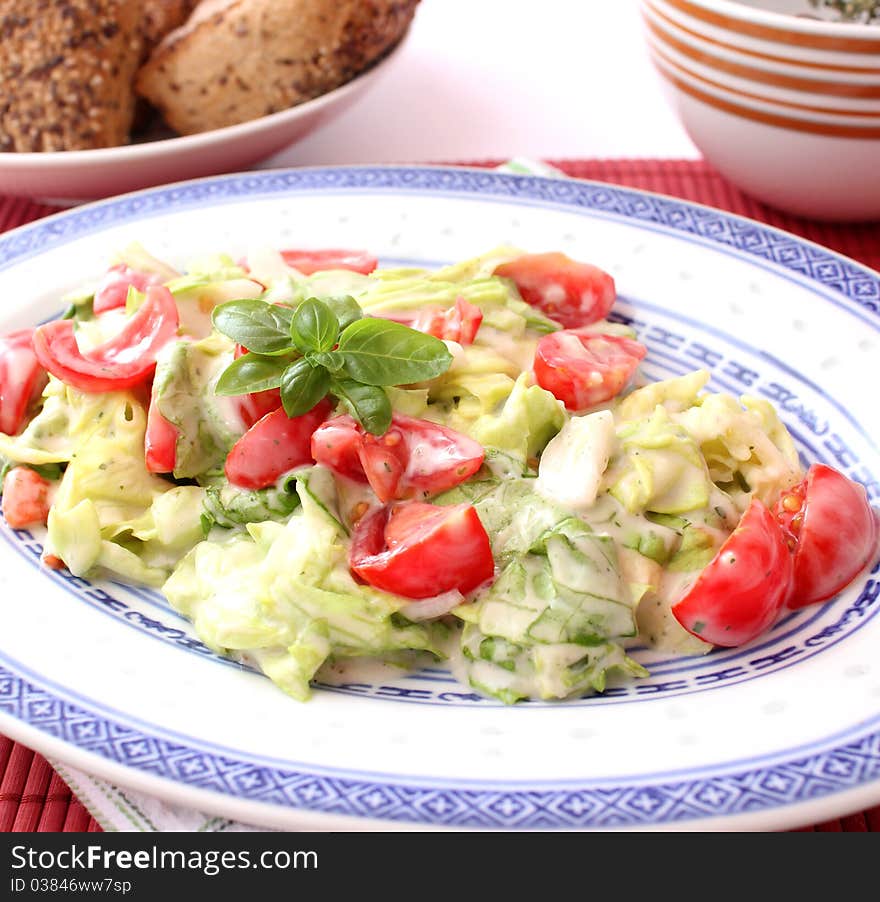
pixel 310 261
pixel 459 323
pixel 336 444
pixel 160 441
pixel 274 445
pixel 413 459
pixel 583 369
pixel 25 498
pixel 124 361
pixel 22 379
pixel 834 529
pixel 420 550
pixel 112 290
pixel 744 587
pixel 572 293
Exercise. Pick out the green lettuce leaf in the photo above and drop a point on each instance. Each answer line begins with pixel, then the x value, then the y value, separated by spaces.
pixel 282 595
pixel 208 425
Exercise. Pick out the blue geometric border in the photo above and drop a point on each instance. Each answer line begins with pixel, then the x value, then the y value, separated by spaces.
pixel 758 786
pixel 749 790
pixel 782 250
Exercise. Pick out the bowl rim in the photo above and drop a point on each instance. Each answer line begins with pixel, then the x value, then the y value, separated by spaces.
pixel 183 143
pixel 800 83
pixel 656 18
pixel 849 32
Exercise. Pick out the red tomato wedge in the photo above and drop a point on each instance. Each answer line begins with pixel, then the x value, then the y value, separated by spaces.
pixel 160 441
pixel 459 323
pixel 22 379
pixel 257 404
pixel 310 261
pixel 274 445
pixel 337 443
pixel 420 550
pixel 583 369
pixel 25 498
pixel 835 532
pixel 128 359
pixel 574 294
pixel 744 587
pixel 413 459
pixel 112 290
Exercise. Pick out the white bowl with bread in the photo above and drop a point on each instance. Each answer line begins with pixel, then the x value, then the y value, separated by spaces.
pixel 108 96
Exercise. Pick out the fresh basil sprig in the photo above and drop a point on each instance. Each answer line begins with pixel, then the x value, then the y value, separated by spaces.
pixel 260 327
pixel 325 346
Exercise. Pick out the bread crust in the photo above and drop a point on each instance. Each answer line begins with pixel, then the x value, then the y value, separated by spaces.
pixel 158 17
pixel 250 58
pixel 66 67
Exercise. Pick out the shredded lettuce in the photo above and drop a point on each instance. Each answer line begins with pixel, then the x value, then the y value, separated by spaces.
pixel 207 425
pixel 282 596
pixel 110 514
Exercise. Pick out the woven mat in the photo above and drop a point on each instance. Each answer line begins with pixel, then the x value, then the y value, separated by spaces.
pixel 34 798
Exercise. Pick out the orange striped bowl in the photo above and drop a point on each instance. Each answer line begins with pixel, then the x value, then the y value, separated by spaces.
pixel 787 108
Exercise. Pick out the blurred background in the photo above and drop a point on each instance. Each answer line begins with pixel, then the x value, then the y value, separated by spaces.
pixel 491 78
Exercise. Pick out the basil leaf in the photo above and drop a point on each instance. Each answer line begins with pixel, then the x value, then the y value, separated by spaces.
pixel 345 308
pixel 251 372
pixel 254 324
pixel 382 352
pixel 302 386
pixel 368 404
pixel 314 326
pixel 330 360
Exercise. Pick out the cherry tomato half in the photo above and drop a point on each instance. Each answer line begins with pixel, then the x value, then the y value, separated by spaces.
pixel 124 361
pixel 310 261
pixel 835 531
pixel 160 440
pixel 420 550
pixel 22 379
pixel 274 445
pixel 583 369
pixel 744 587
pixel 459 323
pixel 25 498
pixel 112 291
pixel 574 294
pixel 413 459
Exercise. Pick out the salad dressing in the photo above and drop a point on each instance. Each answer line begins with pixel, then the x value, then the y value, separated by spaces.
pixel 599 521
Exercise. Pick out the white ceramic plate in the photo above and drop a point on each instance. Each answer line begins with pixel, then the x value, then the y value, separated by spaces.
pixel 80 175
pixel 782 733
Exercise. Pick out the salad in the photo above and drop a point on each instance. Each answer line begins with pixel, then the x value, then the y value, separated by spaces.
pixel 317 460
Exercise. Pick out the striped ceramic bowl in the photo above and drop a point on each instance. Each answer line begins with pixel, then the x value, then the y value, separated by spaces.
pixel 788 108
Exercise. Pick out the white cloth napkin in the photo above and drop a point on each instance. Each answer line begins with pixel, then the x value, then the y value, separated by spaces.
pixel 118 809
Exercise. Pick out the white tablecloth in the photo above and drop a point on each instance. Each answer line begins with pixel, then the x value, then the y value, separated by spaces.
pixel 501 78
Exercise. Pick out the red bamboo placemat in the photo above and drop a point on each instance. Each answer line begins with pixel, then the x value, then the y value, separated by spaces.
pixel 33 797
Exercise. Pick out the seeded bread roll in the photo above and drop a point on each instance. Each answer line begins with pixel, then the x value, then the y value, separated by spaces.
pixel 161 16
pixel 66 70
pixel 237 60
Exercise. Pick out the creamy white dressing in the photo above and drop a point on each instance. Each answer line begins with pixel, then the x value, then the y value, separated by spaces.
pixel 572 465
pixel 657 624
pixel 518 349
pixel 567 584
pixel 195 305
